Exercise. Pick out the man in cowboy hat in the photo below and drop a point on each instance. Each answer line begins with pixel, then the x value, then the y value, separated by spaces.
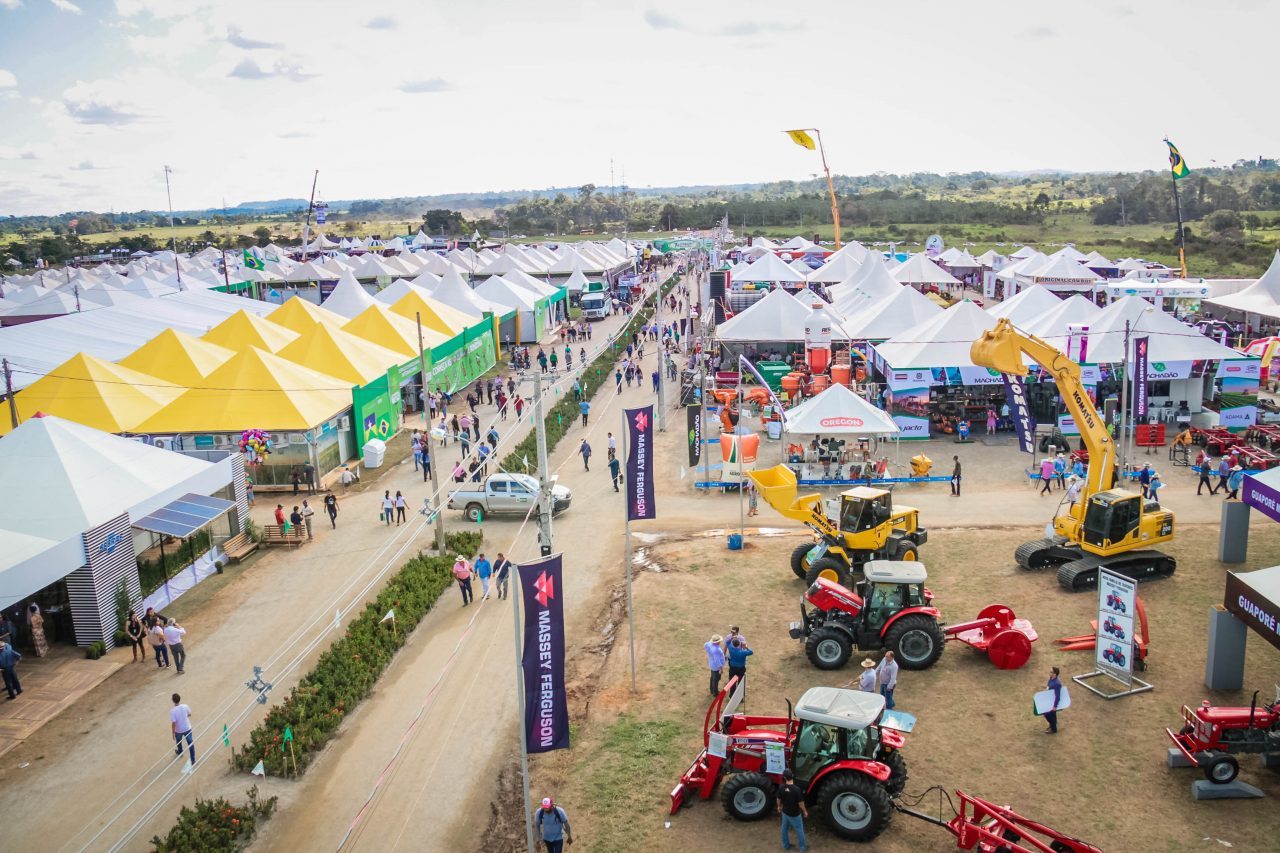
pixel 1234 480
pixel 867 681
pixel 715 660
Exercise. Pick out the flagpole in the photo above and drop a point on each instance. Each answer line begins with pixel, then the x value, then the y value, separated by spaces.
pixel 173 235
pixel 831 188
pixel 1177 206
pixel 524 737
pixel 626 514
pixel 306 228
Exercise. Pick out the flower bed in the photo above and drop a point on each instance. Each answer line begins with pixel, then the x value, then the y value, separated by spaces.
pixel 216 825
pixel 346 673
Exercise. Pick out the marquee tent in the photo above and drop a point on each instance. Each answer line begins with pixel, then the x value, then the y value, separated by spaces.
pixel 943 341
pixel 335 352
pixel 456 293
pixel 93 392
pixel 920 269
pixel 435 315
pixel 769 268
pixel 1025 305
pixel 242 330
pixel 888 316
pixel 1053 325
pixel 576 282
pixel 176 357
pixel 836 270
pixel 299 315
pixel 1262 297
pixel 379 324
pixel 392 293
pixel 838 411
pixel 1023 252
pixel 349 297
pixel 1169 338
pixel 1062 273
pixel 778 317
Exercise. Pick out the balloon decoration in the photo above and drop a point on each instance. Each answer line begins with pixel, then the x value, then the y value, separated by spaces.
pixel 256 445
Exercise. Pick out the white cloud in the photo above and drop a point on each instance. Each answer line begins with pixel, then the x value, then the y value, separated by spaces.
pixel 66 6
pixel 381 22
pixel 84 166
pixel 10 4
pixel 100 102
pixel 7 80
pixel 237 38
pixel 247 69
pixel 420 87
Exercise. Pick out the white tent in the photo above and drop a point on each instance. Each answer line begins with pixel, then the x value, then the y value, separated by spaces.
pixel 392 293
pixel 528 282
pixel 576 282
pixel 349 297
pixel 779 316
pixel 769 268
pixel 1025 305
pixel 569 261
pixel 1062 272
pixel 1070 252
pixel 943 341
pixel 853 249
pixel 839 411
pixel 920 269
pixel 989 258
pixel 875 280
pixel 306 272
pixel 1020 266
pixel 456 293
pixel 801 267
pixel 962 260
pixel 1262 297
pixel 1024 252
pixel 1053 324
pixel 839 268
pixel 1170 339
pixel 497 289
pixel 889 316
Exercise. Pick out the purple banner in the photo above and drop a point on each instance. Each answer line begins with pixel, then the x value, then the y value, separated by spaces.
pixel 1140 346
pixel 546 705
pixel 1261 496
pixel 640 463
pixel 1015 392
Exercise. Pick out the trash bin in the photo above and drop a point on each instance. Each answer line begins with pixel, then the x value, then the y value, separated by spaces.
pixel 375 450
pixel 735 541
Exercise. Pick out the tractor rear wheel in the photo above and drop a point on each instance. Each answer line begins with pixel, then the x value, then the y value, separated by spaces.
pixel 749 796
pixel 916 641
pixel 907 551
pixel 799 560
pixel 898 777
pixel 1221 769
pixel 854 806
pixel 832 568
pixel 828 648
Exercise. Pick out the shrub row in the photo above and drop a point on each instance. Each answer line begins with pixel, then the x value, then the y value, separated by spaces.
pixel 346 673
pixel 216 826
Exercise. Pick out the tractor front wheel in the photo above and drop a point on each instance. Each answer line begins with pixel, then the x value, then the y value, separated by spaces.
pixel 854 806
pixel 898 777
pixel 1222 769
pixel 749 796
pixel 916 641
pixel 828 648
pixel 830 568
pixel 800 561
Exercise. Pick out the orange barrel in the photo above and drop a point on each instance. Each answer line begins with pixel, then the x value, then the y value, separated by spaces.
pixel 840 373
pixel 818 360
pixel 791 382
pixel 819 384
pixel 861 373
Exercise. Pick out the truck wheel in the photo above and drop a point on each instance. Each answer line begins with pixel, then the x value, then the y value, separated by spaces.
pixel 748 796
pixel 474 512
pixel 799 564
pixel 830 568
pixel 828 648
pixel 898 779
pixel 916 641
pixel 854 806
pixel 1222 769
pixel 907 551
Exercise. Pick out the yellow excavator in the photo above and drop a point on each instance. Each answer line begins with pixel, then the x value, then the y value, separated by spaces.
pixel 861 524
pixel 1107 527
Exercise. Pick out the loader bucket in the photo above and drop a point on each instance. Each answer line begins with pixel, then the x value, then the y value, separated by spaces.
pixel 777 485
pixel 999 349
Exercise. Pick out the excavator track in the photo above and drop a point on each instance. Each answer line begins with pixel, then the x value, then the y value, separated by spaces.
pixel 1082 574
pixel 1043 554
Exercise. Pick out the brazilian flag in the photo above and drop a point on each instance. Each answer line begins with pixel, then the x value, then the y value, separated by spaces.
pixel 253 262
pixel 1176 164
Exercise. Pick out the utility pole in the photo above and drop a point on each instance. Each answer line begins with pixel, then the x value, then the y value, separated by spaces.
pixel 544 481
pixel 8 390
pixel 434 462
pixel 306 227
pixel 173 235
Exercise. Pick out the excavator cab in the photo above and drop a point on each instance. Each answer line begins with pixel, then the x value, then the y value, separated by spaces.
pixel 1112 518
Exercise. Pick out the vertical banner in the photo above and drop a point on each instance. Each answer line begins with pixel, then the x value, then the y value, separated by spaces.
pixel 640 463
pixel 1015 391
pixel 1140 377
pixel 1117 605
pixel 546 705
pixel 693 418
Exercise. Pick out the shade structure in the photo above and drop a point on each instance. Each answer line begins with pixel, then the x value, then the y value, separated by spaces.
pixel 943 341
pixel 1022 265
pixel 1024 306
pixel 839 268
pixel 569 261
pixel 185 515
pixel 778 317
pixel 1063 272
pixel 306 272
pixel 401 287
pixel 769 267
pixel 887 317
pixel 1023 252
pixel 839 411
pixel 1053 325
pixel 989 258
pixel 498 289
pixel 176 357
pixel 523 279
pixel 95 393
pixel 348 298
pixel 243 330
pixel 920 269
pixel 299 315
pixel 435 315
pixel 456 293
pixel 874 278
pixel 379 324
pixel 576 282
pixel 962 260
pixel 1169 338
pixel 339 353
pixel 255 389
pixel 1262 297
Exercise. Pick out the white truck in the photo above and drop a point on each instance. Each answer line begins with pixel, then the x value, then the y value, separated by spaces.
pixel 595 301
pixel 506 493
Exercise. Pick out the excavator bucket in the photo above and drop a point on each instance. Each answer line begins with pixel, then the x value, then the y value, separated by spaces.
pixel 999 349
pixel 778 487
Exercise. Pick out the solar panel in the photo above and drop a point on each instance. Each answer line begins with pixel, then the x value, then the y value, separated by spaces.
pixel 184 516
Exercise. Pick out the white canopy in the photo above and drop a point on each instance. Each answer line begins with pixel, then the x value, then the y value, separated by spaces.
pixel 889 316
pixel 576 282
pixel 1170 339
pixel 1070 252
pixel 456 293
pixel 838 269
pixel 769 267
pixel 1024 252
pixel 920 269
pixel 392 293
pixel 495 288
pixel 1052 324
pixel 1261 297
pixel 1061 269
pixel 1023 265
pixel 875 280
pixel 349 297
pixel 962 260
pixel 777 317
pixel 839 411
pixel 943 341
pixel 989 258
pixel 1031 302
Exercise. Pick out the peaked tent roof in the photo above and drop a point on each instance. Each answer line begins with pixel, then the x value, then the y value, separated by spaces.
pixel 920 269
pixel 497 289
pixel 988 258
pixel 338 353
pixel 349 297
pixel 1261 297
pixel 839 268
pixel 308 271
pixel 875 280
pixel 525 280
pixel 839 411
pixel 242 330
pixel 176 357
pixel 401 287
pixel 379 324
pixel 779 316
pixel 299 315
pixel 1061 268
pixel 254 389
pixel 1025 305
pixel 963 260
pixel 944 341
pixel 1022 266
pixel 568 261
pixel 442 318
pixel 1070 252
pixel 1024 252
pixel 769 268
pixel 1052 324
pixel 456 293
pixel 95 393
pixel 1170 339
pixel 576 282
pixel 879 319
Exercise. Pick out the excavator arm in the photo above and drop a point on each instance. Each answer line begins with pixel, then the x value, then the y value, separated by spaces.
pixel 1002 349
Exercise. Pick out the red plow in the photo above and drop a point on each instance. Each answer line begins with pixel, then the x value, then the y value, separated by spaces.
pixel 997 631
pixel 984 826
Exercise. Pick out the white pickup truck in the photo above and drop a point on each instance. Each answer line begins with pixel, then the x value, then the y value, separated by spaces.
pixel 509 493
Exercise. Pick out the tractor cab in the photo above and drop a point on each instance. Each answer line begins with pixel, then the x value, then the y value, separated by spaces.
pixel 835 725
pixel 864 508
pixel 1115 518
pixel 890 587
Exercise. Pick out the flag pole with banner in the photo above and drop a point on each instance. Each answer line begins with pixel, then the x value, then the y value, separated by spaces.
pixel 1015 391
pixel 693 419
pixel 804 140
pixel 1179 170
pixel 637 447
pixel 1140 378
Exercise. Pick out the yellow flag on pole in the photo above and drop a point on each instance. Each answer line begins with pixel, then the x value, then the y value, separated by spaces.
pixel 803 139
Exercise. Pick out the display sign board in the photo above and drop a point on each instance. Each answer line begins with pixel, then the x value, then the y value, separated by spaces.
pixel 775 758
pixel 1117 604
pixel 1253 609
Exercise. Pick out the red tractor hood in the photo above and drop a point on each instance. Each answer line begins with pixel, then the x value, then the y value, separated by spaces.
pixel 829 595
pixel 1236 717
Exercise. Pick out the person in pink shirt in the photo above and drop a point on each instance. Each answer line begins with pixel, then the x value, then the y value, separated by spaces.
pixel 1046 474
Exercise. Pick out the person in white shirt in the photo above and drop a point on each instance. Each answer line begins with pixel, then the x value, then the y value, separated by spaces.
pixel 888 675
pixel 613 446
pixel 307 512
pixel 388 508
pixel 173 634
pixel 867 681
pixel 180 722
pixel 1073 490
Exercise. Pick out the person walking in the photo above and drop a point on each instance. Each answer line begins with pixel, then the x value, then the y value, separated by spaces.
pixel 307 513
pixel 1144 480
pixel 955 477
pixel 173 634
pixel 753 498
pixel 1060 471
pixel 483 570
pixel 502 574
pixel 426 460
pixel 585 408
pixel 792 808
pixel 867 681
pixel 656 376
pixel 462 572
pixel 991 420
pixel 1224 473
pixel 715 660
pixel 1154 488
pixel 887 673
pixel 1051 716
pixel 180 723
pixel 137 637
pixel 401 505
pixel 1234 481
pixel 552 825
pixel 1206 469
pixel 9 658
pixel 309 477
pixel 331 507
pixel 35 622
pixel 615 471
pixel 155 634
pixel 388 507
pixel 1073 490
pixel 585 450
pixel 612 445
pixel 417 451
pixel 1046 475
pixel 737 655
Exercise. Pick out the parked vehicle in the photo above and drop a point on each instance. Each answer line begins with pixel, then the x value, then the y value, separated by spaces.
pixel 1211 736
pixel 507 493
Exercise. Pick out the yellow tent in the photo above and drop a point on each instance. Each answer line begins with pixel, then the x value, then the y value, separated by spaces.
pixel 254 390
pixel 342 354
pixel 445 319
pixel 299 315
pixel 378 324
pixel 243 330
pixel 177 357
pixel 95 393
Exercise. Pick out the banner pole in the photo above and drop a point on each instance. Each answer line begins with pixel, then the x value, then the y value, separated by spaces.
pixel 433 462
pixel 742 476
pixel 631 609
pixel 524 737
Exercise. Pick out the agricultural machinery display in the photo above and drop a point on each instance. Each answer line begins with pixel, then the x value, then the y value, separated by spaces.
pixel 1115 602
pixel 1114 654
pixel 892 609
pixel 1112 628
pixel 982 825
pixel 1211 736
pixel 1141 637
pixel 843 756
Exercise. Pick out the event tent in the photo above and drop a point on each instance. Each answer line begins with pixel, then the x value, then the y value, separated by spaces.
pixel 435 315
pixel 379 324
pixel 836 270
pixel 335 352
pixel 777 317
pixel 1262 297
pixel 456 293
pixel 769 268
pixel 349 297
pixel 1025 305
pixel 1053 324
pixel 93 392
pixel 943 341
pixel 873 279
pixel 299 315
pixel 1061 273
pixel 576 282
pixel 176 357
pixel 888 316
pixel 242 330
pixel 1169 338
pixel 392 293
pixel 920 269
pixel 838 411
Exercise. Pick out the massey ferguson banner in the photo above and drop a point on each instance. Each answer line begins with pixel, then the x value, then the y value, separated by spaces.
pixel 1015 391
pixel 693 420
pixel 640 463
pixel 546 705
pixel 1140 361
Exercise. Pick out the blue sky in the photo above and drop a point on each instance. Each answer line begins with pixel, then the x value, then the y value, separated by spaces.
pixel 244 98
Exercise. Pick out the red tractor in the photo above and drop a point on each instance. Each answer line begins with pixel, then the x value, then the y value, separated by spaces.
pixel 843 755
pixel 1112 628
pixel 1115 602
pixel 1211 736
pixel 1114 654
